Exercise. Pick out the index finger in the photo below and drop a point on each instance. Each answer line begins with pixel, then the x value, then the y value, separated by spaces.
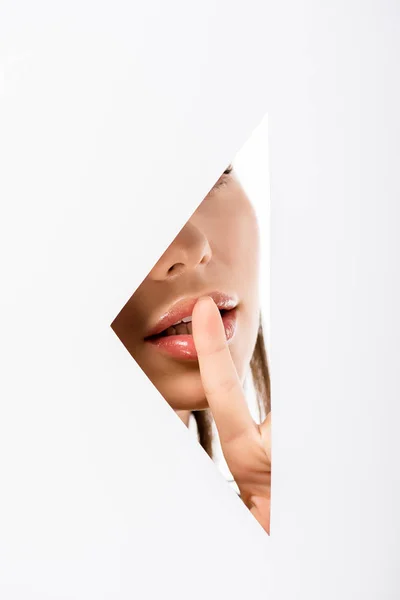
pixel 220 379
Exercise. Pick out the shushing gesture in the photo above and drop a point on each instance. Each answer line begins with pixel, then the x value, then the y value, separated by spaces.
pixel 245 444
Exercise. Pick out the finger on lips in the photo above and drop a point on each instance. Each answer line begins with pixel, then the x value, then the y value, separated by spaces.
pixel 220 380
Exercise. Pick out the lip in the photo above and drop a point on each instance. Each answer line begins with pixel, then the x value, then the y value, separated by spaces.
pixel 182 346
pixel 184 308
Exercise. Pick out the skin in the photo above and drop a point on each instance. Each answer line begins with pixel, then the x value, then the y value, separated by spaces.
pixel 245 444
pixel 217 249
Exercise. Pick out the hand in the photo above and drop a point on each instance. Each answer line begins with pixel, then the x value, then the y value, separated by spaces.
pixel 245 444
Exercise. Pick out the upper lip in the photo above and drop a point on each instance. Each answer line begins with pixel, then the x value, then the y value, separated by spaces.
pixel 184 308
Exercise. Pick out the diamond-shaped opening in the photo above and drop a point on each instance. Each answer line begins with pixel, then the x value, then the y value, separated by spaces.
pixel 216 253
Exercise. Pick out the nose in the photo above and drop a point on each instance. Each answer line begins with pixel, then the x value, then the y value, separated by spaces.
pixel 189 250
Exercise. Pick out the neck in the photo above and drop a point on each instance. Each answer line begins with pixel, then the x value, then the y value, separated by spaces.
pixel 184 415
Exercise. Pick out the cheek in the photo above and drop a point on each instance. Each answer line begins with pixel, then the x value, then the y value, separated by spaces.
pixel 236 247
pixel 236 240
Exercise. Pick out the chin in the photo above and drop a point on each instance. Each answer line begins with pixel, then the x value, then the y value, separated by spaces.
pixel 184 392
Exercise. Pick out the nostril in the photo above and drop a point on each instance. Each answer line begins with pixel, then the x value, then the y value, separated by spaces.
pixel 176 268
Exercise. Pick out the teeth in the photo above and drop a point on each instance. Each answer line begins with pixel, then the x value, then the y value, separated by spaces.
pixel 170 331
pixel 180 329
pixel 185 320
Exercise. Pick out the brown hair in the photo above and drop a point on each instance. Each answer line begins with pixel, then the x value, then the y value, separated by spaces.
pixel 261 379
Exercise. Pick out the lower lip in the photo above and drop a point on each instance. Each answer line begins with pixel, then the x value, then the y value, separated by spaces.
pixel 182 346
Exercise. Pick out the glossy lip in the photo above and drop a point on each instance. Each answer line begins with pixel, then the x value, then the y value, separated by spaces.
pixel 184 308
pixel 182 346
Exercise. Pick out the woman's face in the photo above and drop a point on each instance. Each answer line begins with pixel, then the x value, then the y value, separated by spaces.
pixel 216 253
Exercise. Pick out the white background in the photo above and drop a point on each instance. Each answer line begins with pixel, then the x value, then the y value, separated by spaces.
pixel 106 115
pixel 115 122
pixel 334 131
